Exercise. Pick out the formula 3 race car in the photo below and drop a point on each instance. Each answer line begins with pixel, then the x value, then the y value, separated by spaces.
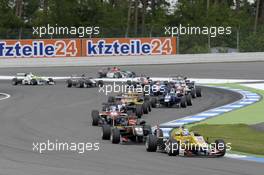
pixel 172 99
pixel 107 115
pixel 182 142
pixel 115 72
pixel 31 79
pixel 124 129
pixel 83 82
pixel 137 103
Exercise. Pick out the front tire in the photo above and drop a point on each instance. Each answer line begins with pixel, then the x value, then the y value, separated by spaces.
pixel 151 143
pixel 221 147
pixel 115 136
pixel 172 149
pixel 14 81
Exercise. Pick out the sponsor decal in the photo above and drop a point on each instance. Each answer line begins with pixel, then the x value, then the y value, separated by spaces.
pixel 129 46
pixel 40 48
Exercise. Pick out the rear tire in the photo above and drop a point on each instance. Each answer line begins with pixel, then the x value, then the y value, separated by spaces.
pixel 189 100
pixel 69 83
pixel 139 111
pixel 193 93
pixel 34 82
pixel 153 102
pixel 147 130
pixel 145 108
pixel 106 132
pixel 198 92
pixel 95 117
pixel 111 99
pixel 183 102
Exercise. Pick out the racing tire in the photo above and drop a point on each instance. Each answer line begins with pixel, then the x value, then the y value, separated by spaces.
pixel 139 111
pixel 149 106
pixel 106 132
pixel 193 93
pixel 34 82
pixel 151 143
pixel 14 81
pixel 147 130
pixel 101 75
pixel 111 99
pixel 189 100
pixel 69 83
pixel 115 136
pixel 129 82
pixel 100 83
pixel 158 133
pixel 198 92
pixel 172 149
pixel 81 84
pixel 146 98
pixel 145 108
pixel 139 139
pixel 95 117
pixel 223 147
pixel 51 80
pixel 153 102
pixel 183 102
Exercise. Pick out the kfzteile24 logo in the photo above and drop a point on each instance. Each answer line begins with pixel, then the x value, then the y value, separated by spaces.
pixel 40 48
pixel 130 46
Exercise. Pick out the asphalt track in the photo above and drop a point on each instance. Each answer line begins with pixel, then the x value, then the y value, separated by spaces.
pixel 52 113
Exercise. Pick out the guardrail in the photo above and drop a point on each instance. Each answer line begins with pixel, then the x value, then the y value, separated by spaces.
pixel 131 60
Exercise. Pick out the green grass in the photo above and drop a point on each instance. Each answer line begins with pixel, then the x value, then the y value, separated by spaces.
pixel 242 137
pixel 252 114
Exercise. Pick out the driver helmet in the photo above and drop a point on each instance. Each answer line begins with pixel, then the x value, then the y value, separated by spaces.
pixel 185 132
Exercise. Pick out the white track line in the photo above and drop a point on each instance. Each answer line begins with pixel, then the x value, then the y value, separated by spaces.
pixel 6 96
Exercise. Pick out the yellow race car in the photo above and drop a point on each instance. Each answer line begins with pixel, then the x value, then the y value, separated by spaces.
pixel 180 141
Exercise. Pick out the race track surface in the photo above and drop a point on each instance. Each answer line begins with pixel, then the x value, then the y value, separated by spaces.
pixel 52 113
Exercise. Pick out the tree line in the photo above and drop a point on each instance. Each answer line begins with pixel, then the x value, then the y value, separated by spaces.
pixel 141 18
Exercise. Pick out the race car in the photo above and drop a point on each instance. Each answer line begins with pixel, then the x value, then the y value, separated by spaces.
pixel 188 86
pixel 107 114
pixel 180 141
pixel 125 129
pixel 171 99
pixel 115 72
pixel 31 79
pixel 83 82
pixel 138 104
